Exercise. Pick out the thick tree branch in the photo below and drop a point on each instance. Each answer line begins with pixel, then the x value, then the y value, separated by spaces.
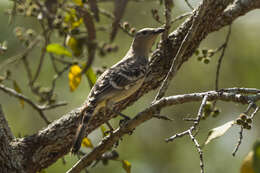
pixel 5 132
pixel 7 158
pixel 46 146
pixel 237 9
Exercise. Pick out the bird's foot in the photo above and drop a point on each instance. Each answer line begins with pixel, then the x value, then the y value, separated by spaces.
pixel 123 121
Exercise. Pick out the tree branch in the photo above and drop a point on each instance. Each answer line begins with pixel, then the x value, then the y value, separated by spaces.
pixel 147 114
pixel 7 157
pixel 46 146
pixel 5 132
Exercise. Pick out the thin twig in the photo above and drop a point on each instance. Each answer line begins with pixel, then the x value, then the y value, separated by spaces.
pixel 39 108
pixel 43 53
pixel 251 104
pixel 254 113
pixel 224 46
pixel 184 45
pixel 181 17
pixel 195 122
pixel 48 107
pixel 57 76
pixel 191 129
pixel 53 62
pixel 241 90
pixel 91 45
pixel 198 147
pixel 111 16
pixel 189 5
pixel 162 117
pixel 239 141
pixel 26 99
pixel 27 68
pixel 20 55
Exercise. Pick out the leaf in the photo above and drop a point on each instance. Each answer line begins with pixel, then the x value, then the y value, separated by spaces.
pixel 76 23
pixel 86 142
pixel 127 166
pixel 58 49
pixel 247 164
pixel 18 89
pixel 75 45
pixel 91 76
pixel 74 77
pixel 218 131
pixel 256 157
pixel 103 130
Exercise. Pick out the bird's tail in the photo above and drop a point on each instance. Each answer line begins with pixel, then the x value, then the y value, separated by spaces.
pixel 80 134
pixel 78 138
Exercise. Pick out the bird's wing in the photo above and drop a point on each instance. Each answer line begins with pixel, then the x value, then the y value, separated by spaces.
pixel 119 77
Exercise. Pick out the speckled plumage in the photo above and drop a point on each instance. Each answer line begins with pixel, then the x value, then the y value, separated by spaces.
pixel 120 81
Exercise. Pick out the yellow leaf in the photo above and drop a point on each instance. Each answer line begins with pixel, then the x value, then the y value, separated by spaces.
pixel 251 163
pixel 87 143
pixel 72 20
pixel 92 78
pixel 58 49
pixel 76 23
pixel 103 130
pixel 247 165
pixel 69 16
pixel 256 156
pixel 75 45
pixel 74 77
pixel 126 165
pixel 18 89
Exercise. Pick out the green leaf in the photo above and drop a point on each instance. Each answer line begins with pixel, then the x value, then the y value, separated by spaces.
pixel 92 78
pixel 58 49
pixel 218 131
pixel 127 166
pixel 18 89
pixel 103 130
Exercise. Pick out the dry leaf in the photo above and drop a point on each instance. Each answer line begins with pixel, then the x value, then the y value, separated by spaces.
pixel 218 131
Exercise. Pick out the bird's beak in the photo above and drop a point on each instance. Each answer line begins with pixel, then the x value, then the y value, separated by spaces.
pixel 158 30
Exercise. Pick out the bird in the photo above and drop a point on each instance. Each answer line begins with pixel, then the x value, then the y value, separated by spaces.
pixel 119 81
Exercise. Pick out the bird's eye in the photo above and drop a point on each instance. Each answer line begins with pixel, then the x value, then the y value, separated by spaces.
pixel 144 32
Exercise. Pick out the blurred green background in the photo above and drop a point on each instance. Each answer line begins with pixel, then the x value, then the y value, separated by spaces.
pixel 146 149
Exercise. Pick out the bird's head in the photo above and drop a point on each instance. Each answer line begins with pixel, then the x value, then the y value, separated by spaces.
pixel 144 40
